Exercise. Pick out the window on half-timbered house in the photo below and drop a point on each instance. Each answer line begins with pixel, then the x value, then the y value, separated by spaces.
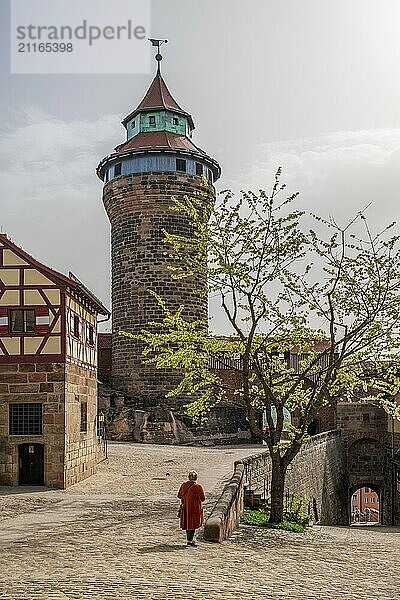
pixel 90 335
pixel 22 321
pixel 75 326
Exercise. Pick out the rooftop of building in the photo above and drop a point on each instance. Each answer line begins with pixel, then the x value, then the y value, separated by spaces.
pixel 71 282
pixel 158 97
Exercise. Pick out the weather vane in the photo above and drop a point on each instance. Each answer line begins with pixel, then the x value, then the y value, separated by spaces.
pixel 158 56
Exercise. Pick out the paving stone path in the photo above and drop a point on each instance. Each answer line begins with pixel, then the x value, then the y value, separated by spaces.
pixel 116 536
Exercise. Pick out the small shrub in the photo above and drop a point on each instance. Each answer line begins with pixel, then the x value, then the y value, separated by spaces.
pixel 296 509
pixel 260 518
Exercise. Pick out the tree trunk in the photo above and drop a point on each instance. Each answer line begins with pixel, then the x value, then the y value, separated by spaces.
pixel 277 491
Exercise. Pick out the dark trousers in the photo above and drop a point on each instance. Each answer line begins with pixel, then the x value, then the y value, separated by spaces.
pixel 190 534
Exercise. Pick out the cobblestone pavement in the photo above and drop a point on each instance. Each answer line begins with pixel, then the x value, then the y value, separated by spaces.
pixel 116 536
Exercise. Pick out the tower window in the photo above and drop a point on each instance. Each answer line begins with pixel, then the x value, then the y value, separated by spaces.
pixel 117 169
pixel 152 120
pixel 181 165
pixel 210 176
pixel 133 125
pixel 175 121
pixel 199 169
pixel 22 321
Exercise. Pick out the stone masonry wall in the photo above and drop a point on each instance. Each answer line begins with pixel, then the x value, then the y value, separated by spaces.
pixel 36 383
pixel 82 449
pixel 391 474
pixel 139 208
pixel 359 421
pixel 370 443
pixel 319 471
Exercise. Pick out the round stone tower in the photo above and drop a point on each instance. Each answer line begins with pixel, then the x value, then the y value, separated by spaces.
pixel 158 160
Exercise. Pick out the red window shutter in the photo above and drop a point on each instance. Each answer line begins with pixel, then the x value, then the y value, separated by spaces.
pixel 42 319
pixel 4 321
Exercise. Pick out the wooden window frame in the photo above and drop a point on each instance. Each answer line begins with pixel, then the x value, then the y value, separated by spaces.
pixel 24 331
pixel 76 332
pixel 181 162
pixel 90 335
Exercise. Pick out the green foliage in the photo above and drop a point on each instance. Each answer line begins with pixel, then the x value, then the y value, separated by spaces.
pixel 331 298
pixel 296 509
pixel 276 280
pixel 260 518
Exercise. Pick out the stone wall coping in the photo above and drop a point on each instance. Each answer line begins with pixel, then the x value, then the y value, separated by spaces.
pixel 319 438
pixel 217 527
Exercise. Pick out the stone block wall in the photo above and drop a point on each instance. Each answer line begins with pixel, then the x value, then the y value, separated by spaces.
pixel 359 421
pixel 36 383
pixel 391 474
pixel 82 449
pixel 372 441
pixel 139 208
pixel 318 473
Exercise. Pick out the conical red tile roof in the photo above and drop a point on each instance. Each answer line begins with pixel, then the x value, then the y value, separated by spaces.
pixel 158 97
pixel 158 140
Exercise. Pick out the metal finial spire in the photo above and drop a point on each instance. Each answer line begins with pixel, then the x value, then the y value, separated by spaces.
pixel 158 56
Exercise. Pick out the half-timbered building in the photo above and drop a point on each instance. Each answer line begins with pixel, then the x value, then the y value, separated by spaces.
pixel 48 373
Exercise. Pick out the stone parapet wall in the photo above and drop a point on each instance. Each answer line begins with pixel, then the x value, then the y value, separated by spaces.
pixel 318 473
pixel 225 516
pixel 82 448
pixel 36 383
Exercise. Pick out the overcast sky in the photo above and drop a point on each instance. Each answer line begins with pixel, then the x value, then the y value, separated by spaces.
pixel 309 85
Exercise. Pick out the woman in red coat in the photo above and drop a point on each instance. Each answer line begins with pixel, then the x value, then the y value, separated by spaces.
pixel 192 497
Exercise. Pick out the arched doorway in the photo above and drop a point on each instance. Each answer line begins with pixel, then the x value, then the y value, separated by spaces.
pixel 31 464
pixel 365 505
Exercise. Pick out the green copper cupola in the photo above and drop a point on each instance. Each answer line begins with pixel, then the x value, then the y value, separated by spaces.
pixel 158 139
pixel 158 111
